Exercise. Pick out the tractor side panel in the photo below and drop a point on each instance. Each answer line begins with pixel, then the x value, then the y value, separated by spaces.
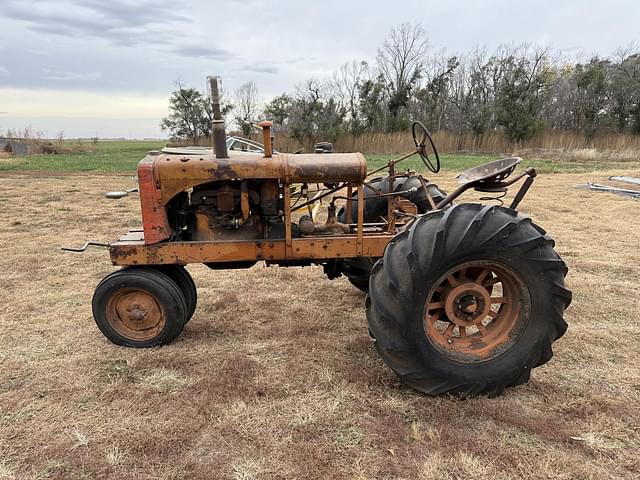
pixel 154 213
pixel 177 173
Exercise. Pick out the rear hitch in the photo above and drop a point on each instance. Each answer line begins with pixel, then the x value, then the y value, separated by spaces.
pixel 86 245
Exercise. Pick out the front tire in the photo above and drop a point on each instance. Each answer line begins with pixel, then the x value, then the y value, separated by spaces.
pixel 139 307
pixel 468 301
pixel 185 282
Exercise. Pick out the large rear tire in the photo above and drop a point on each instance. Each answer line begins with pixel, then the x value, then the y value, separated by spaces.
pixel 468 301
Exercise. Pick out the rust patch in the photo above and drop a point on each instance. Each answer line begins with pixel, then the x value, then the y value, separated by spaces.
pixel 154 215
pixel 475 311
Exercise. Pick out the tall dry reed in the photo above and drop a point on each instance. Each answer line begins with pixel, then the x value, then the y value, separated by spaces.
pixel 550 144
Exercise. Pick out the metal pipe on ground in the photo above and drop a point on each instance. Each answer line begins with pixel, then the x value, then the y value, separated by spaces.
pixel 635 194
pixel 631 180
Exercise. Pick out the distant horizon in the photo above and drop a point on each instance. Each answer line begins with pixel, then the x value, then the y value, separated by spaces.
pixel 81 128
pixel 89 139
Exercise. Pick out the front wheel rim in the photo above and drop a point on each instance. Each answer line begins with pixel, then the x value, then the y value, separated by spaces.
pixel 476 311
pixel 135 314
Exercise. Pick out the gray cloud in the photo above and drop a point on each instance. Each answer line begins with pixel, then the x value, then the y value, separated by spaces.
pixel 4 72
pixel 199 51
pixel 293 61
pixel 95 17
pixel 54 18
pixel 122 23
pixel 65 76
pixel 271 69
pixel 141 12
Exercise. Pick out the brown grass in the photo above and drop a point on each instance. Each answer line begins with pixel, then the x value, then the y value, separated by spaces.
pixel 275 377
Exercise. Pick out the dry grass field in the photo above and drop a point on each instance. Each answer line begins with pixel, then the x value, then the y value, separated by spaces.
pixel 275 377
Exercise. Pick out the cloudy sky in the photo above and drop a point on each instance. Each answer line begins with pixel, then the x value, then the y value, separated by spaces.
pixel 107 67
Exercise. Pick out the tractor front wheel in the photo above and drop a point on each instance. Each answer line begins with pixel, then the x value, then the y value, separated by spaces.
pixel 139 307
pixel 183 279
pixel 468 301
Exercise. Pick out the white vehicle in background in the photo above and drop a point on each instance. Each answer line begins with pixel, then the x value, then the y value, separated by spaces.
pixel 239 145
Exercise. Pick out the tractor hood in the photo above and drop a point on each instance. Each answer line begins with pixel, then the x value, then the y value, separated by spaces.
pixel 177 171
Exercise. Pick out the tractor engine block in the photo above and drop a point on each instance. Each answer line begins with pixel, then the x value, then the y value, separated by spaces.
pixel 227 210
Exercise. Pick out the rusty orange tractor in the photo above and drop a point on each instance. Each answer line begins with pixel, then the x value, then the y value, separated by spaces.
pixel 461 298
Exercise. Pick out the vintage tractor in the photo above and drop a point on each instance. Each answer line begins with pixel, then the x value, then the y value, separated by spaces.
pixel 461 298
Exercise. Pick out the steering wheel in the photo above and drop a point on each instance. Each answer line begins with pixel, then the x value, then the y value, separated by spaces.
pixel 420 137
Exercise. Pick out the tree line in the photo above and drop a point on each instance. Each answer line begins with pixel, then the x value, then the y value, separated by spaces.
pixel 520 90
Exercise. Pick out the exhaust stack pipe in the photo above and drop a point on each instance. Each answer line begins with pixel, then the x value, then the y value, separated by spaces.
pixel 218 135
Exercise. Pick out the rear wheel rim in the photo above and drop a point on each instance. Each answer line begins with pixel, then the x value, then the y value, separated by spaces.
pixel 135 314
pixel 474 312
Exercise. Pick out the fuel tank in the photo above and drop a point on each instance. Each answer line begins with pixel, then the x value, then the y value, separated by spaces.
pixel 175 172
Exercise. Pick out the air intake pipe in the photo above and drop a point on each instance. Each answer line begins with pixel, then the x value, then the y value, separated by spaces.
pixel 218 135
